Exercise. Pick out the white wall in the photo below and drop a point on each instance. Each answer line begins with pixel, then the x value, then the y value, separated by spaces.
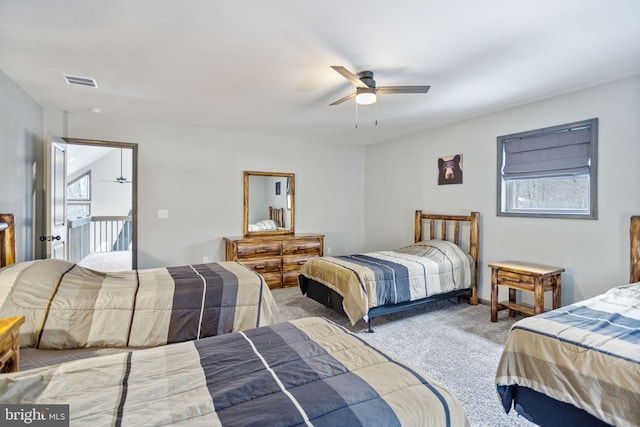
pixel 401 176
pixel 197 175
pixel 21 145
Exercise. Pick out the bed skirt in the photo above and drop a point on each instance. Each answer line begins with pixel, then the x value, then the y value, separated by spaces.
pixel 545 411
pixel 333 300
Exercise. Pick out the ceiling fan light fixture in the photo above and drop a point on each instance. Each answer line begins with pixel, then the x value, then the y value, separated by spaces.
pixel 365 95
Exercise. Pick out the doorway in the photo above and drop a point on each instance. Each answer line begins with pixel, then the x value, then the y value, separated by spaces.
pixel 101 204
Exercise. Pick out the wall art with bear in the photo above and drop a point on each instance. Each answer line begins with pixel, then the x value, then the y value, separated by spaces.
pixel 450 169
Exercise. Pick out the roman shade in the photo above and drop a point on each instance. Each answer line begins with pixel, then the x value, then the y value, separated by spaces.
pixel 549 153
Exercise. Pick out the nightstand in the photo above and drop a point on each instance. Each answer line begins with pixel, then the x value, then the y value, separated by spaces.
pixel 524 276
pixel 10 343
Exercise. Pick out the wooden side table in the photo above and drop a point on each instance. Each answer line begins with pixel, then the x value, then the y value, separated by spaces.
pixel 10 343
pixel 524 276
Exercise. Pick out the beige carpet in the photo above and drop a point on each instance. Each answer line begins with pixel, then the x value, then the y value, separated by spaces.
pixel 107 261
pixel 455 344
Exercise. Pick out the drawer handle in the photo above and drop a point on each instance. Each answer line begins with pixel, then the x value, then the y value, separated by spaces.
pixel 6 357
pixel 301 262
pixel 259 267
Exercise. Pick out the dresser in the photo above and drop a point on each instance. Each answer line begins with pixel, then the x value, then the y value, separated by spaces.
pixel 277 258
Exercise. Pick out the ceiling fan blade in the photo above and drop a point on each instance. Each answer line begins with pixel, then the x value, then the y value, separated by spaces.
pixel 349 76
pixel 402 89
pixel 341 100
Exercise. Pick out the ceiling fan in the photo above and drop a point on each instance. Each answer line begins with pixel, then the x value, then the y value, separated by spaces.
pixel 121 179
pixel 366 89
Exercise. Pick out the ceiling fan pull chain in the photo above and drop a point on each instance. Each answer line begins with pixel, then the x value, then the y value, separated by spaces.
pixel 356 115
pixel 376 114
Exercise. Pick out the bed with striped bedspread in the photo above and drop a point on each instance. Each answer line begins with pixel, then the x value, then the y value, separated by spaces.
pixel 375 279
pixel 305 372
pixel 68 306
pixel 586 355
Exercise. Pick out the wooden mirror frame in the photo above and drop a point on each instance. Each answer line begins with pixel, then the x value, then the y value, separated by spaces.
pixel 290 209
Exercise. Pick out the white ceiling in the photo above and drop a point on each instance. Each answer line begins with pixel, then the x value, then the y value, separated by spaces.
pixel 80 156
pixel 264 66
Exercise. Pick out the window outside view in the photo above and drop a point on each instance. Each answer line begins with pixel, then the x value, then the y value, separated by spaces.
pixel 562 194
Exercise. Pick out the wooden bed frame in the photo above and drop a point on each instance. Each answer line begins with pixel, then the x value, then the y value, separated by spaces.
pixel 453 235
pixel 7 240
pixel 277 215
pixel 634 250
pixel 441 227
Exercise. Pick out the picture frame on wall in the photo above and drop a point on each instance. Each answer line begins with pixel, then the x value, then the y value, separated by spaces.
pixel 450 169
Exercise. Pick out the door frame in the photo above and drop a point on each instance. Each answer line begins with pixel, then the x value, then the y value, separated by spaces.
pixel 134 185
pixel 55 238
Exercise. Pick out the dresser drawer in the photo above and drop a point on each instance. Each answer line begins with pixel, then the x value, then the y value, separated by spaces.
pixel 295 262
pixel 264 264
pixel 273 279
pixel 301 246
pixel 511 278
pixel 290 278
pixel 248 250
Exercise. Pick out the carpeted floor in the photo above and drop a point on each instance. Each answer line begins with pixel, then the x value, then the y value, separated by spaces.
pixel 455 344
pixel 107 261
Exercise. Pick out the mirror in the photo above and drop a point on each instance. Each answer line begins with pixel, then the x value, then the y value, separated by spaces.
pixel 268 203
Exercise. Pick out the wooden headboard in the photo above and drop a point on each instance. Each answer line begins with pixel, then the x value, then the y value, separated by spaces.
pixel 449 227
pixel 634 231
pixel 277 214
pixel 7 240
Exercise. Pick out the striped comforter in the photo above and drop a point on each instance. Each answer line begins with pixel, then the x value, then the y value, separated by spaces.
pixel 586 354
pixel 389 277
pixel 68 306
pixel 305 372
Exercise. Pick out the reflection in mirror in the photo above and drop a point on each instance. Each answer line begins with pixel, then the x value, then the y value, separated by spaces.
pixel 268 203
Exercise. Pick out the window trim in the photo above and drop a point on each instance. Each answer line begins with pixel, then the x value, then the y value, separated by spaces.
pixel 593 172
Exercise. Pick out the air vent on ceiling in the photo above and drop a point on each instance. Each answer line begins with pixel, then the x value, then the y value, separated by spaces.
pixel 80 81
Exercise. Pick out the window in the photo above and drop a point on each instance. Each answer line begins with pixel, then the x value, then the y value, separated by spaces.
pixel 550 172
pixel 78 194
pixel 80 188
pixel 77 210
